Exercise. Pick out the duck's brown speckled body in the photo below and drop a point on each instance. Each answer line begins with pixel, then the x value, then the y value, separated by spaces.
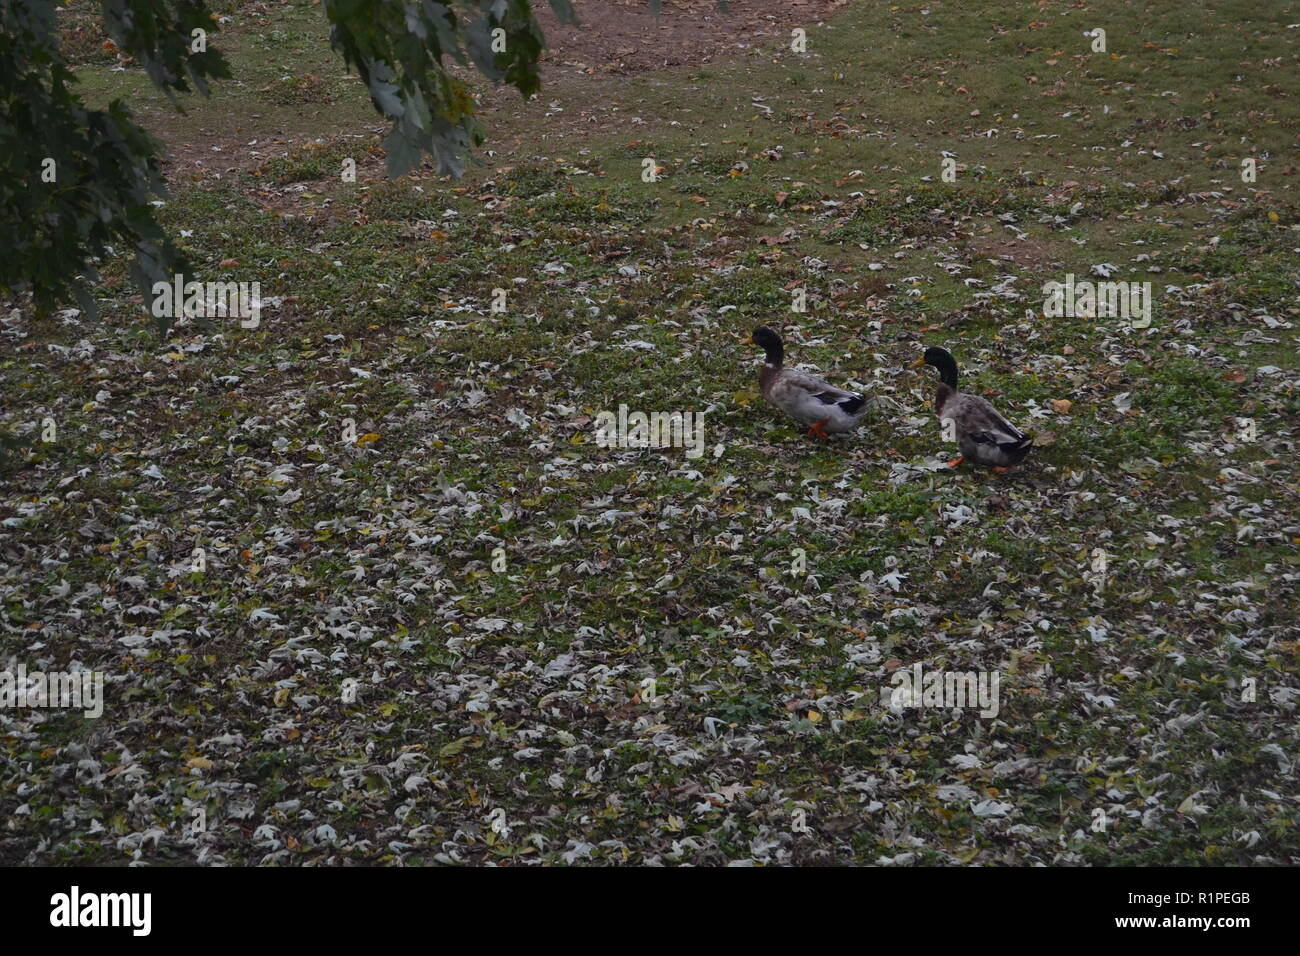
pixel 983 435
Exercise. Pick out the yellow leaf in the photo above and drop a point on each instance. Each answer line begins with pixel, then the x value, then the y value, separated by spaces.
pixel 1272 217
pixel 368 439
pixel 199 763
pixel 814 716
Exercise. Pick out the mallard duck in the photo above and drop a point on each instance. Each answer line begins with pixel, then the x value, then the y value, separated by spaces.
pixel 981 433
pixel 824 408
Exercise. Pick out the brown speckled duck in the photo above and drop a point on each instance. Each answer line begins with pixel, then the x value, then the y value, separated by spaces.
pixel 982 434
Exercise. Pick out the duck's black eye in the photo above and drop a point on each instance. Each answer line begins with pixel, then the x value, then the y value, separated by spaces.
pixel 980 437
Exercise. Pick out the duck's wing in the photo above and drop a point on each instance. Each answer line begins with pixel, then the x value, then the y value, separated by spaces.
pixel 979 421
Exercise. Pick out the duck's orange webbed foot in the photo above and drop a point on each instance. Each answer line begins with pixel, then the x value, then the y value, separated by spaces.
pixel 956 461
pixel 819 429
pixel 1001 469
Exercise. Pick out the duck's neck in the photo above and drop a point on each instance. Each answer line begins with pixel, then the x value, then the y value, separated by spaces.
pixel 947 366
pixel 775 354
pixel 942 396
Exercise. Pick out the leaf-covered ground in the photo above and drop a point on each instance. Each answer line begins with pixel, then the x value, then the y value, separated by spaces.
pixel 501 715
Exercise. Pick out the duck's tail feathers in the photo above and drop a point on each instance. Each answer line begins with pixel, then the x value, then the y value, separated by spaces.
pixel 852 405
pixel 1018 449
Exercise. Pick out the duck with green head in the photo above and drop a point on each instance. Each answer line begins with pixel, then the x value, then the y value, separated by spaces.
pixel 822 407
pixel 982 434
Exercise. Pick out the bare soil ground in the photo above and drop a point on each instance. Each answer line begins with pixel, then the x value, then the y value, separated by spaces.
pixel 613 36
pixel 614 39
pixel 623 36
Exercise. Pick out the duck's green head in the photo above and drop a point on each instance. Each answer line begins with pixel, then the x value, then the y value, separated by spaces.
pixel 942 360
pixel 770 343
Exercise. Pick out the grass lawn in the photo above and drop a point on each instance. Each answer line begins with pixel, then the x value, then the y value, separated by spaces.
pixel 438 623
